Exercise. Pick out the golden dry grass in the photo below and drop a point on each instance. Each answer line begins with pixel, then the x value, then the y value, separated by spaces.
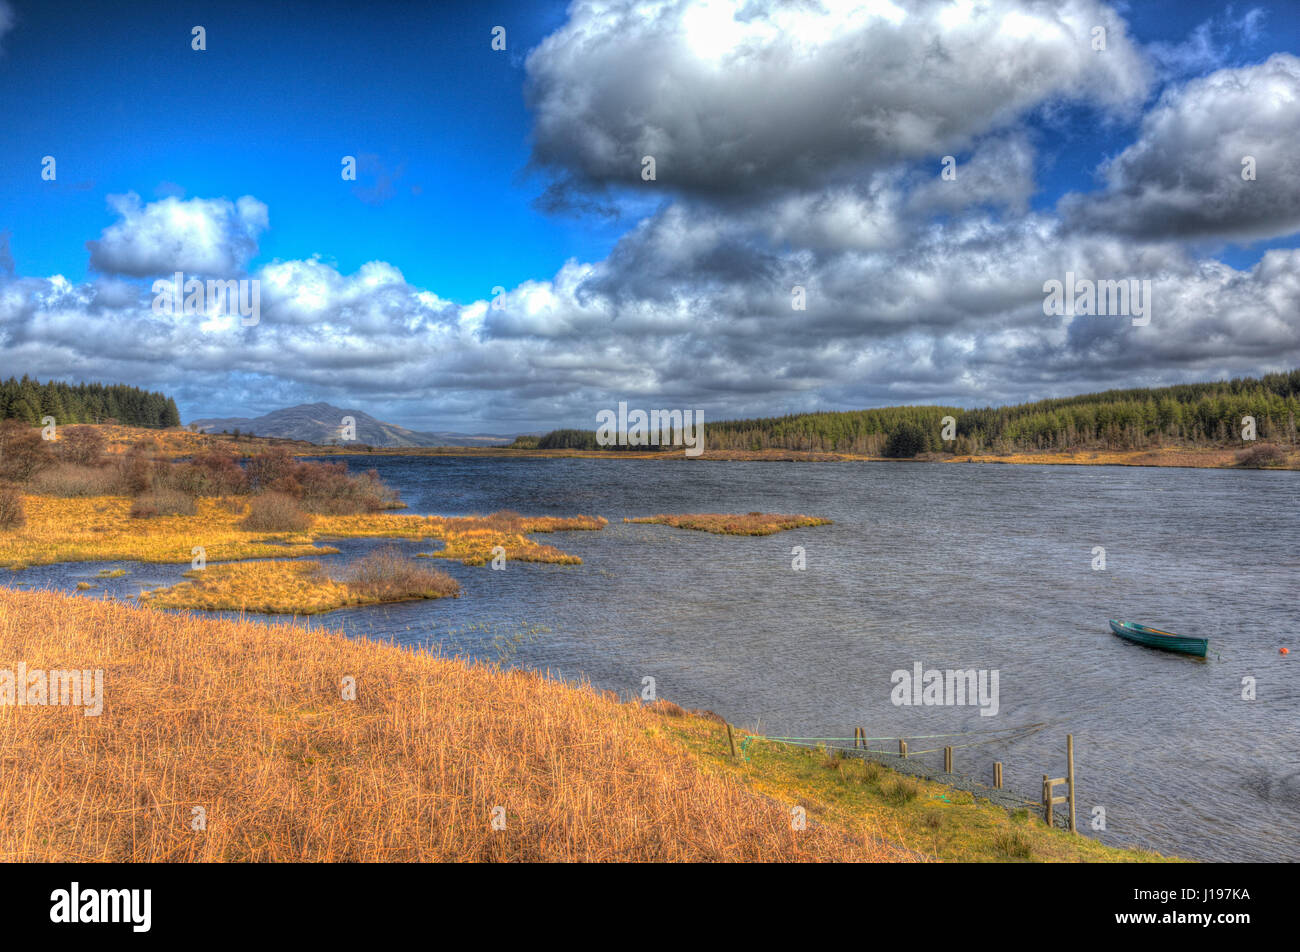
pixel 471 539
pixel 287 588
pixel 248 722
pixel 177 441
pixel 98 528
pixel 1196 457
pixel 753 524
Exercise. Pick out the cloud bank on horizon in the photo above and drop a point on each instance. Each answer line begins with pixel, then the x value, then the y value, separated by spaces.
pixel 795 144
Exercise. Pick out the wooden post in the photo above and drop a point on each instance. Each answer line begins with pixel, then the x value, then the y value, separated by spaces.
pixel 1047 801
pixel 947 760
pixel 731 739
pixel 857 737
pixel 997 775
pixel 1069 755
pixel 902 749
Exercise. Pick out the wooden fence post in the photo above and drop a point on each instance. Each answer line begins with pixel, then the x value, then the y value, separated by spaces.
pixel 902 749
pixel 1047 801
pixel 1069 754
pixel 947 760
pixel 997 775
pixel 732 741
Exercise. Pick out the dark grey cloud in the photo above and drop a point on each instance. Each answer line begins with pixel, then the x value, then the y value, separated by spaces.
pixel 770 94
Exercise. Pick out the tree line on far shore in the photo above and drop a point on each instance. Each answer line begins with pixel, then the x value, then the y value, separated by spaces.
pixel 1199 414
pixel 29 401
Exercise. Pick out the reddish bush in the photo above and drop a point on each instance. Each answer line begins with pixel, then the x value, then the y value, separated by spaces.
pixel 12 515
pixel 325 488
pixel 69 479
pixel 162 502
pixel 138 466
pixel 1265 454
pixel 80 445
pixel 266 469
pixel 387 575
pixel 275 512
pixel 23 453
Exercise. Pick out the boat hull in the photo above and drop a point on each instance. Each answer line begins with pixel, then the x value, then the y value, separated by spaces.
pixel 1164 640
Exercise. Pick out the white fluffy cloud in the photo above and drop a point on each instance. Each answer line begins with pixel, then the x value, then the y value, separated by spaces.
pixel 800 145
pixel 954 313
pixel 198 236
pixel 1183 176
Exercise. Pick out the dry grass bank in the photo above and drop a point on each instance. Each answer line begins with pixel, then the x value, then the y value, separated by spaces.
pixel 752 524
pixel 471 539
pixel 99 528
pixel 247 721
pixel 175 442
pixel 1198 457
pixel 303 588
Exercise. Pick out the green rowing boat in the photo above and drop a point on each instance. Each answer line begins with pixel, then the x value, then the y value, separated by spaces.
pixel 1154 638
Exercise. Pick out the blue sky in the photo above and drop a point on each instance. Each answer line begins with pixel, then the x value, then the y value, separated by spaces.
pixel 669 294
pixel 117 95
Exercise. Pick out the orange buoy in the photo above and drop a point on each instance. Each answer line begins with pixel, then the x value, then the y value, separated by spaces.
pixel 1283 651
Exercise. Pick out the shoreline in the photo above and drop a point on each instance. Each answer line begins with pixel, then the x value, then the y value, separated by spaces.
pixel 1162 458
pixel 180 443
pixel 397 754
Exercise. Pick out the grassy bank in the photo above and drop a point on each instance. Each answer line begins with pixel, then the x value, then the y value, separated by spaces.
pixel 938 822
pixel 101 529
pixel 249 722
pixel 176 443
pixel 303 588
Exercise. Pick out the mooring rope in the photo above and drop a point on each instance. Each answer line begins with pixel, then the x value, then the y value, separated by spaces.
pixel 1002 730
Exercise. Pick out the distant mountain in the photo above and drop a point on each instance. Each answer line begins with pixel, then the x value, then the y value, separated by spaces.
pixel 323 423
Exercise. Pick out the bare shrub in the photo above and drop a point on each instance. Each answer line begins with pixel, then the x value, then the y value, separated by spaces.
pixel 387 575
pixel 80 445
pixel 70 479
pixel 328 488
pixel 162 502
pixel 1265 454
pixel 12 515
pixel 275 512
pixel 264 469
pixel 138 466
pixel 23 453
pixel 209 474
pixel 325 488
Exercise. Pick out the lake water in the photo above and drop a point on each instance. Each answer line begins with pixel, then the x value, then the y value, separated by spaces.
pixel 953 566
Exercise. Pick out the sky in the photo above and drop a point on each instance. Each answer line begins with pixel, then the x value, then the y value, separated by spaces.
pixel 501 263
